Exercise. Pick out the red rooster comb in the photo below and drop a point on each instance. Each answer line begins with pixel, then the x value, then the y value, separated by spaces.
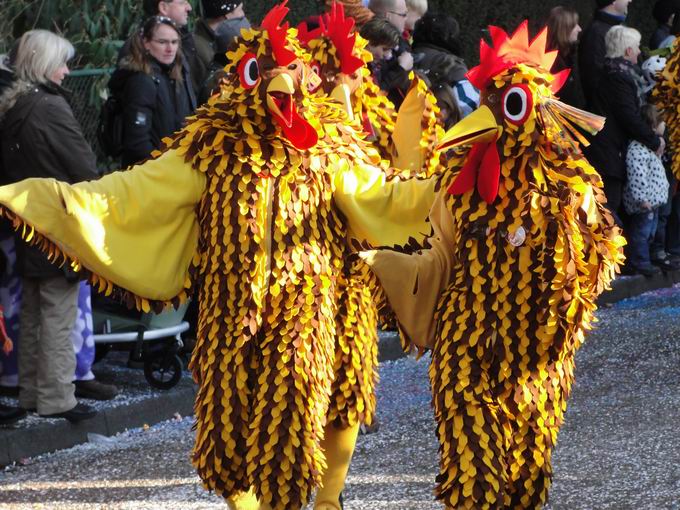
pixel 278 33
pixel 339 30
pixel 508 51
pixel 305 35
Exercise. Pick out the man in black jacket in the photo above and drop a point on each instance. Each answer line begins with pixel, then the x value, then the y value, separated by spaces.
pixel 219 16
pixel 591 52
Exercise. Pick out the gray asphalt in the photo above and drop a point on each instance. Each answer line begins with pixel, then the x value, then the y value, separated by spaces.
pixel 619 448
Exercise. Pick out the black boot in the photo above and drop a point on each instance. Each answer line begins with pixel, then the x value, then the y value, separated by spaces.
pixel 9 415
pixel 79 413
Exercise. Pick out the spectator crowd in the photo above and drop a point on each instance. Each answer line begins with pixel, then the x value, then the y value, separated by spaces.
pixel 165 71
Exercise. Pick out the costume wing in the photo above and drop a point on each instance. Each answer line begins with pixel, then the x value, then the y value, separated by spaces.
pixel 134 231
pixel 416 132
pixel 382 211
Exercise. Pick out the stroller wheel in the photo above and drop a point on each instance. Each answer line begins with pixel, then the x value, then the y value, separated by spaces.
pixel 163 371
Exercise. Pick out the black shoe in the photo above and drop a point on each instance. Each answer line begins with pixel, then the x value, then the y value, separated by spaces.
pixel 9 391
pixel 627 270
pixel 79 413
pixel 95 390
pixel 674 258
pixel 10 415
pixel 666 264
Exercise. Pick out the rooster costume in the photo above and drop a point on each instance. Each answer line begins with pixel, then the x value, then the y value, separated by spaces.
pixel 503 294
pixel 338 58
pixel 239 207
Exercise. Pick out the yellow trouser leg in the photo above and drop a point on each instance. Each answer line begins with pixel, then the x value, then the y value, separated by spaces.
pixel 339 447
pixel 246 501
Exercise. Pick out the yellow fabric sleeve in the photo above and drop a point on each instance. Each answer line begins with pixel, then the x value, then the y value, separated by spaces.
pixel 414 283
pixel 136 229
pixel 409 150
pixel 383 212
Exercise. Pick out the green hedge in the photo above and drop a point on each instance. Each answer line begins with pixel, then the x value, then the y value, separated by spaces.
pixel 96 27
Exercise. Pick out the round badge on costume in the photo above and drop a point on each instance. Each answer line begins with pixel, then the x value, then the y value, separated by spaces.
pixel 518 237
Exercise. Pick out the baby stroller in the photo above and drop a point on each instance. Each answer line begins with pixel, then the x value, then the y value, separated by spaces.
pixel 153 339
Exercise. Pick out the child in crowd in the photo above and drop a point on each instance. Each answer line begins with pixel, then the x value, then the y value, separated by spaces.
pixel 382 38
pixel 645 191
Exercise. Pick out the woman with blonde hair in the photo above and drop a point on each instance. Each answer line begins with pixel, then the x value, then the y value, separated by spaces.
pixel 563 33
pixel 41 138
pixel 148 83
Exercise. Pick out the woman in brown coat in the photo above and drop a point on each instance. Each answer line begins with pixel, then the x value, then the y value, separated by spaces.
pixel 41 138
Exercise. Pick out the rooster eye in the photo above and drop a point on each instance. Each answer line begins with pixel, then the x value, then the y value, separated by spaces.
pixel 248 71
pixel 517 104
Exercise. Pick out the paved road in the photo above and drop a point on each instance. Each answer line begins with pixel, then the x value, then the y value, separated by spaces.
pixel 619 449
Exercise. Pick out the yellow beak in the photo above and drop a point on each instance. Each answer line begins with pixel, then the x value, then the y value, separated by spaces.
pixel 279 95
pixel 479 126
pixel 342 94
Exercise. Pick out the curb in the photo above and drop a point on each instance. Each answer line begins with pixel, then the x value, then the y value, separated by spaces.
pixel 625 287
pixel 53 435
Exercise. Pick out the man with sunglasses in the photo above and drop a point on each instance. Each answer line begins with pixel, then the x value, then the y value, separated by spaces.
pixel 394 78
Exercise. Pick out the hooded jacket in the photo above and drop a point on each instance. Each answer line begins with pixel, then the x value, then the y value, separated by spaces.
pixel 425 56
pixel 154 106
pixel 40 137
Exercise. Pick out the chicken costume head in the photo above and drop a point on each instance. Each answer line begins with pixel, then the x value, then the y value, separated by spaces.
pixel 339 57
pixel 518 110
pixel 269 80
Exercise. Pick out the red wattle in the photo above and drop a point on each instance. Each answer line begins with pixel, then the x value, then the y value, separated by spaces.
pixel 299 132
pixel 467 176
pixel 368 127
pixel 489 175
pixel 482 166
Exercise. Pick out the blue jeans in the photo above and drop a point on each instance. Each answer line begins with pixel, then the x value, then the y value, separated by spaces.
pixel 659 244
pixel 641 230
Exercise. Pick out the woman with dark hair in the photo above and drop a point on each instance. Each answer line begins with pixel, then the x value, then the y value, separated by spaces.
pixel 563 32
pixel 149 84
